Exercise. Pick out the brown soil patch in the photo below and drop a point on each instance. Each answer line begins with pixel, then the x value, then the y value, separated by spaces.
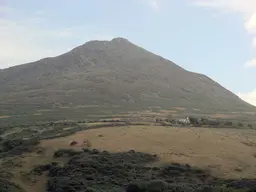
pixel 4 117
pixel 219 150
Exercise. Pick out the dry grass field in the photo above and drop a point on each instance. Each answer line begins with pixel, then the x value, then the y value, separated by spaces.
pixel 228 153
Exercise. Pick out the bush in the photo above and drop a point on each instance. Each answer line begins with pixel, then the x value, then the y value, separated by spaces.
pixel 6 175
pixel 66 184
pixel 133 188
pixel 8 186
pixel 38 170
pixel 157 185
pixel 193 120
pixel 209 122
pixel 164 123
pixel 228 124
pixel 66 153
pixel 243 184
pixel 93 170
pixel 18 146
pixel 240 125
pixel 8 145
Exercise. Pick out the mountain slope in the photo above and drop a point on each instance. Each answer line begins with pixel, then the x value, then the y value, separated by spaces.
pixel 114 72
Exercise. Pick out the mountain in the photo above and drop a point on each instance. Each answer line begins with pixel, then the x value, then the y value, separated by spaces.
pixel 115 73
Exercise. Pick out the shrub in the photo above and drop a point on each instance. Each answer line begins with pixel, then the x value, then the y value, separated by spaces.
pixel 8 186
pixel 133 188
pixel 8 145
pixel 240 125
pixel 66 153
pixel 93 170
pixel 5 174
pixel 157 185
pixel 210 122
pixel 38 170
pixel 95 151
pixel 18 146
pixel 243 184
pixel 193 120
pixel 64 184
pixel 164 123
pixel 228 124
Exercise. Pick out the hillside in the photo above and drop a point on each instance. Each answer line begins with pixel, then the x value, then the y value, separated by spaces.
pixel 113 73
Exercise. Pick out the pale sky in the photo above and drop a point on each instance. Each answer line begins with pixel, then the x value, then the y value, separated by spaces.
pixel 214 37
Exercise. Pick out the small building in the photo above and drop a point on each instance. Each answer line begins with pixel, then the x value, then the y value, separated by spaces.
pixel 184 121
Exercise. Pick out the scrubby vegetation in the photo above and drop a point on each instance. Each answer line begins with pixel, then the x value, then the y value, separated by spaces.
pixel 17 146
pixel 93 170
pixel 8 186
pixel 203 122
pixel 5 184
pixel 41 131
pixel 66 153
pixel 51 130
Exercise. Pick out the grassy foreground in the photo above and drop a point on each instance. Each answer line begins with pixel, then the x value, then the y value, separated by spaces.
pixel 40 158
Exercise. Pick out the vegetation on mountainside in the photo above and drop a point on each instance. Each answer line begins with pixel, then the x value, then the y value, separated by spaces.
pixel 108 76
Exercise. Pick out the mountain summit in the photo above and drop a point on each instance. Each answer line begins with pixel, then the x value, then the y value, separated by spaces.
pixel 114 73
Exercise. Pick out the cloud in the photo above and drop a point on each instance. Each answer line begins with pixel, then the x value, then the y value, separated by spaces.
pixel 154 4
pixel 249 97
pixel 246 8
pixel 24 39
pixel 250 25
pixel 254 41
pixel 251 63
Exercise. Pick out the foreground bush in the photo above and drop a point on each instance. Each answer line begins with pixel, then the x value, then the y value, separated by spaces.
pixel 8 186
pixel 66 153
pixel 93 170
pixel 17 146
